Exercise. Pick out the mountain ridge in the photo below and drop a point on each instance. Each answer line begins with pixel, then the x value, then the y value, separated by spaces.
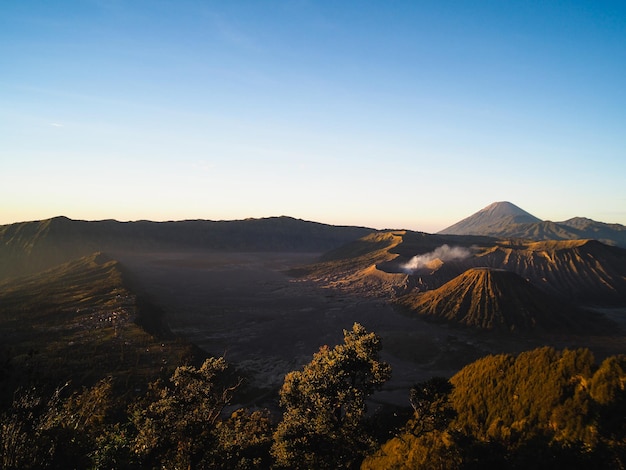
pixel 82 319
pixel 28 247
pixel 506 220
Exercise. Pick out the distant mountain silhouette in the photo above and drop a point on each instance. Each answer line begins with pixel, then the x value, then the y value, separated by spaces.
pixel 496 299
pixel 29 247
pixel 506 220
pixel 490 220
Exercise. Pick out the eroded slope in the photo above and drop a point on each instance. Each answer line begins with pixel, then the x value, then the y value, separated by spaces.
pixel 496 299
pixel 585 271
pixel 399 263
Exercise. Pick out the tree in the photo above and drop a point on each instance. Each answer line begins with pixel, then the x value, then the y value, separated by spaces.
pixel 244 441
pixel 323 424
pixel 24 440
pixel 431 406
pixel 426 442
pixel 176 428
pixel 54 432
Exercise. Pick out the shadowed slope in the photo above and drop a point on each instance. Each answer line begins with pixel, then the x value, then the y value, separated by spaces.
pixel 572 229
pixel 611 234
pixel 78 321
pixel 494 299
pixel 28 247
pixel 94 280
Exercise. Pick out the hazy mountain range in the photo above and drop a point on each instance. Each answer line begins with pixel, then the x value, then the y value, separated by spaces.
pixel 99 309
pixel 29 247
pixel 456 275
pixel 506 220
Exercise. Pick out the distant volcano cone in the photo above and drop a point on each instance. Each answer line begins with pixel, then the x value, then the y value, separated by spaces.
pixel 491 219
pixel 494 299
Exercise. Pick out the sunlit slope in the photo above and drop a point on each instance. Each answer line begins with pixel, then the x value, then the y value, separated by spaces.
pixel 371 264
pixel 353 267
pixel 495 299
pixel 28 247
pixel 80 322
pixel 540 409
pixel 582 270
pixel 564 395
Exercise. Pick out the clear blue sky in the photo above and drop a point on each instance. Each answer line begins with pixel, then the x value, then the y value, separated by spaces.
pixel 389 114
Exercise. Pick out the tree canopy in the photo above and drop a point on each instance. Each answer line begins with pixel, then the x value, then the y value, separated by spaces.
pixel 540 409
pixel 323 424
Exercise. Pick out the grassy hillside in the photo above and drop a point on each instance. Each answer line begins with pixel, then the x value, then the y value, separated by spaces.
pixel 79 322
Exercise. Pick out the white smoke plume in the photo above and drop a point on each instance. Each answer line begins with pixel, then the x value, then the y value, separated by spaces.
pixel 443 253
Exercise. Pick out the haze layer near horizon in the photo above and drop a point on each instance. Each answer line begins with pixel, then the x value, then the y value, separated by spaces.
pixel 383 114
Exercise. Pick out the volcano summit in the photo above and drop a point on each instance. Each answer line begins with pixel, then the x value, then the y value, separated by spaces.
pixel 506 220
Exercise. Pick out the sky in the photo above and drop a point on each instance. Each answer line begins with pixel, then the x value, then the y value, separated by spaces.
pixel 386 114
